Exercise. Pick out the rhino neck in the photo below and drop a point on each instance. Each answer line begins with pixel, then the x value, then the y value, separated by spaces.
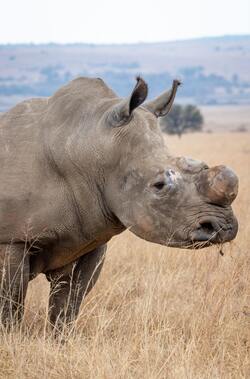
pixel 96 221
pixel 77 165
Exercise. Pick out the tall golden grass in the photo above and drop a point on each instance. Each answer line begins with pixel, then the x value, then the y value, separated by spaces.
pixel 155 312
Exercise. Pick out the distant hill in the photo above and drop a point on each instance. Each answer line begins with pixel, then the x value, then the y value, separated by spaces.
pixel 213 70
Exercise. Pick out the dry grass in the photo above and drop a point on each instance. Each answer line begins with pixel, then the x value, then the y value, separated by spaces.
pixel 156 312
pixel 226 118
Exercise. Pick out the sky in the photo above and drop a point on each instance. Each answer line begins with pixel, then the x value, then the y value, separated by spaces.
pixel 114 21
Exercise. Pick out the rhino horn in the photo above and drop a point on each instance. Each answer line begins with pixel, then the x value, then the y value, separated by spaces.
pixel 219 185
pixel 162 104
pixel 122 112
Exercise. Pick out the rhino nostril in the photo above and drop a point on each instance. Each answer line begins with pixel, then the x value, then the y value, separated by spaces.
pixel 205 231
pixel 207 227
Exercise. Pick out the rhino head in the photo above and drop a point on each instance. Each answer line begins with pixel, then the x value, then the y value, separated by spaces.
pixel 174 201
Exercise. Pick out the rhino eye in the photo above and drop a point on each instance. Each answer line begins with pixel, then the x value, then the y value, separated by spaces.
pixel 159 185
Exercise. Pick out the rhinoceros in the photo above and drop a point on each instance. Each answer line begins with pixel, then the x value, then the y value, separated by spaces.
pixel 82 166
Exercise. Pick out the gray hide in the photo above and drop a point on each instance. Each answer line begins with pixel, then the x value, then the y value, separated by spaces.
pixel 82 166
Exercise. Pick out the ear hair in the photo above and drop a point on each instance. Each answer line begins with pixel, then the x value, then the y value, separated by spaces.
pixel 122 112
pixel 139 94
pixel 163 103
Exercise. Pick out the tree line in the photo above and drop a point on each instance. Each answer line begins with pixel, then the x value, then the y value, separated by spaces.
pixel 182 119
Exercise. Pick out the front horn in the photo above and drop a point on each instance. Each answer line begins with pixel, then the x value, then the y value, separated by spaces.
pixel 219 185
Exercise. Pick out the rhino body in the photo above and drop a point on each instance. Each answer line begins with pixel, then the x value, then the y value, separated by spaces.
pixel 51 175
pixel 84 165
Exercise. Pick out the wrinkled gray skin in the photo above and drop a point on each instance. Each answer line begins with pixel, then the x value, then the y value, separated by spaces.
pixel 82 166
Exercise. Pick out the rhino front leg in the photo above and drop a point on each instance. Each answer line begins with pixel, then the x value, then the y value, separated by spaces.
pixel 68 290
pixel 14 278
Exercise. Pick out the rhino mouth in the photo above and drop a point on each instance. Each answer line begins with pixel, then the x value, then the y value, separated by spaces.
pixel 206 233
pixel 211 231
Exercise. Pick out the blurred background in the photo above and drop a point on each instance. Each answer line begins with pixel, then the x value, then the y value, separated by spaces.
pixel 206 44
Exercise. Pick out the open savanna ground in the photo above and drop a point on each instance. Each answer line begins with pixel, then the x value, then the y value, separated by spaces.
pixel 155 312
pixel 226 118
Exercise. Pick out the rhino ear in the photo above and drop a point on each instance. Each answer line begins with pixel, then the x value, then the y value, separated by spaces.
pixel 162 104
pixel 122 112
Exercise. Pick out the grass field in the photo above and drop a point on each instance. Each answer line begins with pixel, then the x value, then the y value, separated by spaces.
pixel 155 312
pixel 226 118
